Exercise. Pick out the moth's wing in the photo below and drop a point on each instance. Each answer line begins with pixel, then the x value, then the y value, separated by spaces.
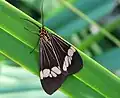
pixel 50 85
pixel 48 61
pixel 76 62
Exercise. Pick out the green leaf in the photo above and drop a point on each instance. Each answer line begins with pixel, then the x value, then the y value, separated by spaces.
pixel 110 59
pixel 2 57
pixel 24 59
pixel 16 43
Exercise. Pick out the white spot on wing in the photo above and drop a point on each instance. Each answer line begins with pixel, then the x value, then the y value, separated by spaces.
pixel 66 61
pixel 64 66
pixel 56 70
pixel 46 72
pixel 53 74
pixel 41 75
pixel 50 75
pixel 70 52
pixel 69 60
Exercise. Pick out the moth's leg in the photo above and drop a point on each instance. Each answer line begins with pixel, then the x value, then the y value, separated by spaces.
pixel 32 31
pixel 35 46
pixel 37 41
pixel 31 22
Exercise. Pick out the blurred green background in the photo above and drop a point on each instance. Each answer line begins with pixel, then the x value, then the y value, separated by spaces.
pixel 15 82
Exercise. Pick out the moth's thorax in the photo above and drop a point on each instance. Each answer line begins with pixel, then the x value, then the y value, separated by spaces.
pixel 44 35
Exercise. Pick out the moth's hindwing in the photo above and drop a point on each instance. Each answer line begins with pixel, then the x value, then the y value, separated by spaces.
pixel 58 59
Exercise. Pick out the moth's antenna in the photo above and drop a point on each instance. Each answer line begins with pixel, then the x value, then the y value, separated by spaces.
pixel 42 15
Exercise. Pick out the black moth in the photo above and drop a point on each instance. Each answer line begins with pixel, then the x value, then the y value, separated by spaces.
pixel 58 59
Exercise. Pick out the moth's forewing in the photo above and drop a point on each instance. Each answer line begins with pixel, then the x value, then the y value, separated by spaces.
pixel 76 64
pixel 60 56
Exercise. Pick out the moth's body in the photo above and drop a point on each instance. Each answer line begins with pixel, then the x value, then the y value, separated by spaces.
pixel 58 59
pixel 44 35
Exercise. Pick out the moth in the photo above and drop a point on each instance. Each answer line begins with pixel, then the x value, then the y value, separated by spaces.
pixel 58 60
